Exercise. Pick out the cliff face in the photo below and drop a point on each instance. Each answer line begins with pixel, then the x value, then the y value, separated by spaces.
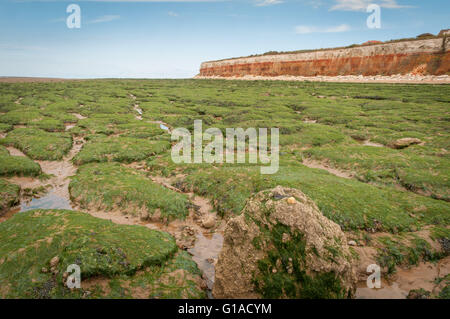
pixel 422 57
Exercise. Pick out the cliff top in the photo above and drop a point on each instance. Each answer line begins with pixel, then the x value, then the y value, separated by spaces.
pixel 368 43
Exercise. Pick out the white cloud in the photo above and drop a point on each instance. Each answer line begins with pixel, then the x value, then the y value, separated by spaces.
pixel 361 5
pixel 172 14
pixel 106 18
pixel 304 29
pixel 263 3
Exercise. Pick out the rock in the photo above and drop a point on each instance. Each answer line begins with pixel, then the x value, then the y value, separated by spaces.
pixel 64 278
pixel 156 216
pixel 145 216
pixel 209 221
pixel 352 243
pixel 307 251
pixel 445 245
pixel 203 284
pixel 54 262
pixel 444 32
pixel 418 294
pixel 291 201
pixel 186 238
pixel 405 142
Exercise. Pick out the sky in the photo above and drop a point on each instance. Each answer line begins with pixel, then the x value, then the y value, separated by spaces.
pixel 170 39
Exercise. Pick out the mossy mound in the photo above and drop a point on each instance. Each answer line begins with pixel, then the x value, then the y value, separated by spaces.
pixel 5 127
pixel 17 165
pixel 112 186
pixel 39 144
pixel 119 149
pixel 9 195
pixel 413 168
pixel 281 246
pixel 107 253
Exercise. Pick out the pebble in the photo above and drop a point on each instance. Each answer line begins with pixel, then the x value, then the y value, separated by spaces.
pixel 291 200
pixel 209 221
pixel 54 261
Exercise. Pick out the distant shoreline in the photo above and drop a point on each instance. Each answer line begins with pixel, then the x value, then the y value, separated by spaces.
pixel 405 79
pixel 395 79
pixel 18 79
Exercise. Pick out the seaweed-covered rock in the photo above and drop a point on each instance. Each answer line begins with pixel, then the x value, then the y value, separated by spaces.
pixel 405 142
pixel 281 246
pixel 116 261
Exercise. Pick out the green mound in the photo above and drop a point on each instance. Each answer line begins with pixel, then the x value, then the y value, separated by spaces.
pixel 356 205
pixel 9 195
pixel 21 116
pixel 112 186
pixel 422 173
pixel 39 144
pixel 103 123
pixel 5 127
pixel 119 149
pixel 139 130
pixel 49 125
pixel 114 253
pixel 17 165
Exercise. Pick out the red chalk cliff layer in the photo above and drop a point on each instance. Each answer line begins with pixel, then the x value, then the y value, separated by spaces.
pixel 421 57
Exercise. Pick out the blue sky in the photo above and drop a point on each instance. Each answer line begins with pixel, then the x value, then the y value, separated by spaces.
pixel 169 39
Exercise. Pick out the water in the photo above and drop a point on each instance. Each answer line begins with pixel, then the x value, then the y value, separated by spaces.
pixel 205 254
pixel 163 127
pixel 385 292
pixel 48 201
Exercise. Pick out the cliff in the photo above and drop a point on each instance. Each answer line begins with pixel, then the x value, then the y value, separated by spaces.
pixel 422 57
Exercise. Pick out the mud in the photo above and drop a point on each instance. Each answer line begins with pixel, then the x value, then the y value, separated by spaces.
pixel 79 116
pixel 10 213
pixel 59 173
pixel 399 285
pixel 369 143
pixel 139 111
pixel 322 165
pixel 15 152
pixel 69 126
